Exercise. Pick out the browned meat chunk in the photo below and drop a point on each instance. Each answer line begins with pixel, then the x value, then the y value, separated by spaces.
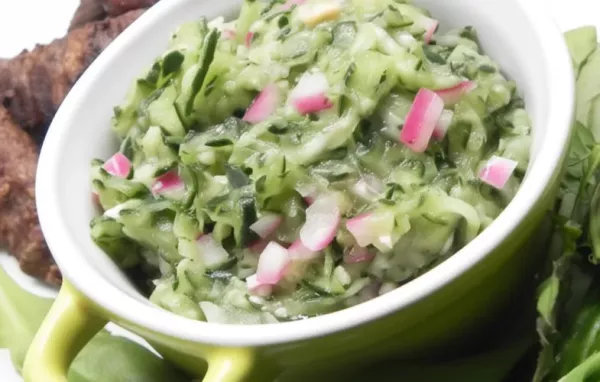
pixel 33 84
pixel 117 7
pixel 20 231
pixel 88 11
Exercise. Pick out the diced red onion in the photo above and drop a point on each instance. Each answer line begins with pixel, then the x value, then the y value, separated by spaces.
pixel 169 185
pixel 441 127
pixel 211 251
pixel 264 105
pixel 430 26
pixel 453 95
pixel 312 104
pixel 421 120
pixel 358 255
pixel 272 264
pixel 256 288
pixel 372 228
pixel 358 227
pixel 229 34
pixel 118 165
pixel 266 225
pixel 497 171
pixel 290 3
pixel 249 38
pixel 322 221
pixel 298 251
pixel 309 95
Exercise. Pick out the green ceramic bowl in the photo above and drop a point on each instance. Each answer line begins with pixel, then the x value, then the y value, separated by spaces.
pixel 424 315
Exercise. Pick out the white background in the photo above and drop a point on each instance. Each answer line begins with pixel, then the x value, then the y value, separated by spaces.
pixel 23 23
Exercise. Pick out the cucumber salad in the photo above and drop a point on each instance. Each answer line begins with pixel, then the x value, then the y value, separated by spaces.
pixel 306 157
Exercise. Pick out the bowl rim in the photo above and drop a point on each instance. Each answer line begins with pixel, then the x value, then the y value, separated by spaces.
pixel 108 297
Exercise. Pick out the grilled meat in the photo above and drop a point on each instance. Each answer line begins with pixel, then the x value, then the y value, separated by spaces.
pixel 88 11
pixel 117 7
pixel 20 231
pixel 33 84
pixel 96 10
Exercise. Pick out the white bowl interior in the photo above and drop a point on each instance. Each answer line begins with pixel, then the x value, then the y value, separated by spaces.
pixel 519 36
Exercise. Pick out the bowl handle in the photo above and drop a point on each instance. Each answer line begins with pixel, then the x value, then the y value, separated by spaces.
pixel 229 365
pixel 69 325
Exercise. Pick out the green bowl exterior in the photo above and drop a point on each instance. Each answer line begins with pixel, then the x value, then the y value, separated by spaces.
pixel 441 324
pixel 435 325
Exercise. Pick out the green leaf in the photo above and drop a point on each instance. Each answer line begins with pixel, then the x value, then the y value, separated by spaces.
pixel 21 314
pixel 588 88
pixel 553 295
pixel 547 298
pixel 582 43
pixel 581 335
pixel 594 117
pixel 172 62
pixel 117 359
pixel 595 225
pixel 104 358
pixel 587 371
pixel 558 294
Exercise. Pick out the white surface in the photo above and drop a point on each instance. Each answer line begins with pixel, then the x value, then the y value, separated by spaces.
pixel 26 22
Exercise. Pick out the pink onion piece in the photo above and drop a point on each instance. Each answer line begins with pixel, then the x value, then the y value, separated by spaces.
pixel 430 26
pixel 309 95
pixel 358 255
pixel 272 264
pixel 211 251
pixel 248 39
pixel 373 229
pixel 118 165
pixel 229 34
pixel 453 95
pixel 322 221
pixel 421 120
pixel 264 105
pixel 441 127
pixel 266 225
pixel 256 288
pixel 312 104
pixel 298 251
pixel 290 3
pixel 359 228
pixel 497 171
pixel 169 185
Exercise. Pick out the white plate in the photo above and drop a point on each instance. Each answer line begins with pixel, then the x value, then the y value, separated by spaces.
pixel 28 22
